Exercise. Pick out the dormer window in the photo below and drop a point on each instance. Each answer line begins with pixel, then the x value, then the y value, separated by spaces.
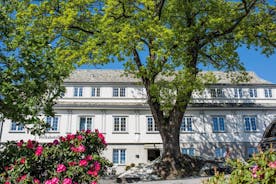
pixel 238 92
pixel 268 93
pixel 253 92
pixel 95 91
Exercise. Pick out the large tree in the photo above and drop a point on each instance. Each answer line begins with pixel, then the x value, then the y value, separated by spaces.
pixel 162 42
pixel 30 77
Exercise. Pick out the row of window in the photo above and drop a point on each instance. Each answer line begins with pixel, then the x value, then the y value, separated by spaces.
pixel 215 92
pixel 240 92
pixel 120 124
pixel 96 92
pixel 119 155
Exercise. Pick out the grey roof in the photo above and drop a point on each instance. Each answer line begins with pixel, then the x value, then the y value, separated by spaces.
pixel 113 76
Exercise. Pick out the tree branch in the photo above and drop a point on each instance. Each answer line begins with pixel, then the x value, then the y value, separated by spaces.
pixel 159 7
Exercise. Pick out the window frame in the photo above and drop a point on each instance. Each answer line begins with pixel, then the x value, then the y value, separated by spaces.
pixel 119 92
pixel 121 156
pixel 189 151
pixel 119 130
pixel 154 127
pixel 95 91
pixel 218 122
pixel 217 92
pixel 85 123
pixel 49 130
pixel 253 93
pixel 78 91
pixel 268 93
pixel 238 92
pixel 19 127
pixel 246 123
pixel 186 126
pixel 220 152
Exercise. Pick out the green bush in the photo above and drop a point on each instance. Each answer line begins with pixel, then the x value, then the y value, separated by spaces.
pixel 260 169
pixel 69 160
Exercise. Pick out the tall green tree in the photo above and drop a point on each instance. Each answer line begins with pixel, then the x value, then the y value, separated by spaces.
pixel 162 42
pixel 30 77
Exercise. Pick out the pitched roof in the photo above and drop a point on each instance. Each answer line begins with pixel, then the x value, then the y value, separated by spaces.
pixel 111 76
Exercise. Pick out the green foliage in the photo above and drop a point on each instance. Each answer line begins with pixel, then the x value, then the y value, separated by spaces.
pixel 74 158
pixel 30 76
pixel 261 168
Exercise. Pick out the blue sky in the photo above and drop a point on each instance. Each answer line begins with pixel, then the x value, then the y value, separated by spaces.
pixel 254 61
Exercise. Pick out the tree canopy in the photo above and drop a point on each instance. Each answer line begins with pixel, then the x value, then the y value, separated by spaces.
pixel 30 77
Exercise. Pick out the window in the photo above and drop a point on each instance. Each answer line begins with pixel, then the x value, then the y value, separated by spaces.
pixel 250 123
pixel 95 91
pixel 53 122
pixel 251 151
pixel 218 124
pixel 85 123
pixel 216 92
pixel 238 92
pixel 188 151
pixel 152 127
pixel 119 156
pixel 119 124
pixel 120 92
pixel 253 93
pixel 220 152
pixel 78 91
pixel 17 127
pixel 186 124
pixel 268 93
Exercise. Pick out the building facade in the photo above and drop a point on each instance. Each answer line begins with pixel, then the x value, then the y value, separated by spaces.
pixel 224 116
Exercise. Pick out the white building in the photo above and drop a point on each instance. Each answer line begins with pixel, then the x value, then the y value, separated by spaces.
pixel 224 116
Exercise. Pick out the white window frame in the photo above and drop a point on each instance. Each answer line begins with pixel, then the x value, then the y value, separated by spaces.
pixel 95 91
pixel 238 92
pixel 121 155
pixel 121 92
pixel 86 118
pixel 268 92
pixel 188 151
pixel 186 124
pixel 220 128
pixel 216 92
pixel 122 125
pixel 16 127
pixel 151 125
pixel 249 125
pixel 51 121
pixel 253 92
pixel 78 91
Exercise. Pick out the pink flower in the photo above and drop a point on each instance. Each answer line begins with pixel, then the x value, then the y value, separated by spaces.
pixel 30 144
pixel 20 143
pixel 55 142
pixel 72 163
pixel 70 137
pixel 93 182
pixel 55 180
pixel 80 137
pixel 62 139
pixel 22 160
pixel 36 181
pixel 101 136
pixel 48 182
pixel 7 182
pixel 38 150
pixel 272 164
pixel 88 131
pixel 67 181
pixel 88 157
pixel 61 168
pixel 92 173
pixel 97 166
pixel 83 163
pixel 81 148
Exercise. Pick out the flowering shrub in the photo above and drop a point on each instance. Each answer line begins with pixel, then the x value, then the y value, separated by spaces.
pixel 72 159
pixel 261 168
